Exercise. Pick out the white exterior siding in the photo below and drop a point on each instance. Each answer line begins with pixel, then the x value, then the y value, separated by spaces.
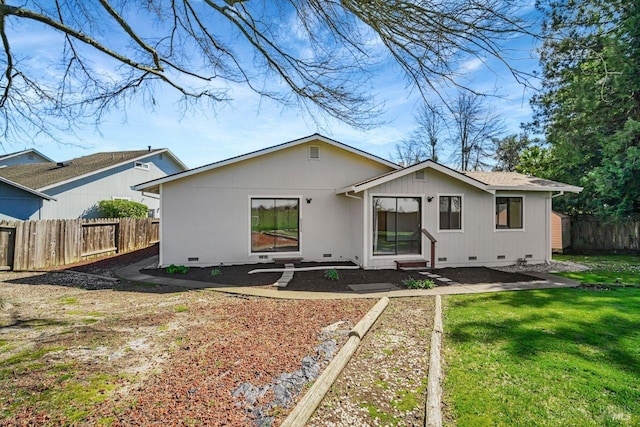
pixel 479 237
pixel 207 215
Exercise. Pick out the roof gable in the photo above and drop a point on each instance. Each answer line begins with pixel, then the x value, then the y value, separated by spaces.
pixel 427 164
pixel 42 176
pixel 4 157
pixel 153 185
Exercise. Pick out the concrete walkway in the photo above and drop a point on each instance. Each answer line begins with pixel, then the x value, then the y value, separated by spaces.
pixel 547 281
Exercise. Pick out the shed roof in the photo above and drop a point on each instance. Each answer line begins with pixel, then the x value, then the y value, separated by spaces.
pixel 41 176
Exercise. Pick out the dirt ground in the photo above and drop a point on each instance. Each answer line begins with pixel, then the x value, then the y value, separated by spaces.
pixel 79 350
pixel 385 381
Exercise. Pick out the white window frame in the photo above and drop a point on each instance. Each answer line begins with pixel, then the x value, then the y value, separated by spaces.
pixel 462 203
pixel 250 224
pixel 495 223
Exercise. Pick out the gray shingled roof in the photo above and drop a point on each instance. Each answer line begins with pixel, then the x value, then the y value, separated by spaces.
pixel 40 175
pixel 512 179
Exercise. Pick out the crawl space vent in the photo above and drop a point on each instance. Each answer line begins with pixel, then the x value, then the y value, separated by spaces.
pixel 314 152
pixel 501 257
pixel 473 258
pixel 442 259
pixel 529 256
pixel 193 258
pixel 326 255
pixel 263 256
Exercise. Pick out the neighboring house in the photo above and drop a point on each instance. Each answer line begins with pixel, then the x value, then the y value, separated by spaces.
pixel 71 189
pixel 23 157
pixel 321 200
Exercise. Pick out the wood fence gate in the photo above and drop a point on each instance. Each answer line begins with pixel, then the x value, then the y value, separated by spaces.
pixel 7 246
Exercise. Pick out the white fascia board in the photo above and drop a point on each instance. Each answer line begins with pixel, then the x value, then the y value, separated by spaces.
pixel 27 189
pixel 268 150
pixel 567 188
pixel 356 188
pixel 57 184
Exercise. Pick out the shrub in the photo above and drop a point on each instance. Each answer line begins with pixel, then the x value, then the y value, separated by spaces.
pixel 173 269
pixel 332 274
pixel 216 272
pixel 412 283
pixel 122 209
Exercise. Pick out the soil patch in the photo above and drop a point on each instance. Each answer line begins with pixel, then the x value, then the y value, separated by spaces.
pixel 315 280
pixel 237 275
pixel 106 266
pixel 471 275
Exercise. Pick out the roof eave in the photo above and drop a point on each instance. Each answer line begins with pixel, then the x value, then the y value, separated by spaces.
pixel 567 188
pixel 261 152
pixel 66 181
pixel 27 189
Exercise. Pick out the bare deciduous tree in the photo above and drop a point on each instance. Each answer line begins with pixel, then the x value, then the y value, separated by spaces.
pixel 425 140
pixel 473 129
pixel 309 53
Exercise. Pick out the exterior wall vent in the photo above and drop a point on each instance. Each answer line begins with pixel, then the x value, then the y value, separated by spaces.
pixel 419 175
pixel 444 259
pixel 314 152
pixel 263 256
pixel 141 165
pixel 326 255
pixel 529 256
pixel 501 257
pixel 193 258
pixel 473 258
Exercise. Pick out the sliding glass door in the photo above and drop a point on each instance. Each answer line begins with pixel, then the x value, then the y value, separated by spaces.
pixel 396 225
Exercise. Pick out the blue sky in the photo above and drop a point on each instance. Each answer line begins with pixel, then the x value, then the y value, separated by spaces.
pixel 250 123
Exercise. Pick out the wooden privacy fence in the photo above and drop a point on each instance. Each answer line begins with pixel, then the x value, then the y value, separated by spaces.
pixel 33 245
pixel 590 234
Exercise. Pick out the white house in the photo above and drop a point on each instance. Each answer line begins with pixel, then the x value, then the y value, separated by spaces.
pixel 320 200
pixel 71 189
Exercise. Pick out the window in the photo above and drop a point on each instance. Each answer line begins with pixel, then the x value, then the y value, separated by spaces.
pixel 509 212
pixel 396 225
pixel 450 213
pixel 141 165
pixel 274 225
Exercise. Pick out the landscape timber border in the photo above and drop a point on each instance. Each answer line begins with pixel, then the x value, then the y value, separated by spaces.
pixel 310 401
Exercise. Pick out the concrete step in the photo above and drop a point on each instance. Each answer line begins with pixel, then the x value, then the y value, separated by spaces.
pixel 411 264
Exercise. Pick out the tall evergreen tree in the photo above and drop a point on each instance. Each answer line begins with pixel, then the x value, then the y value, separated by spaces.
pixel 589 108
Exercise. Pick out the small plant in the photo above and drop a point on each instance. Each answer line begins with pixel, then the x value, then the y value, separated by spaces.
pixel 216 272
pixel 180 308
pixel 412 283
pixel 180 269
pixel 332 274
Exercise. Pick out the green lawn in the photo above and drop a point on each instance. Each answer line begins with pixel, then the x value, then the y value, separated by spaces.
pixel 563 357
pixel 604 269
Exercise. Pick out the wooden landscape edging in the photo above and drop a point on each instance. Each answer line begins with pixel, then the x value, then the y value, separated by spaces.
pixel 310 401
pixel 39 244
pixel 433 412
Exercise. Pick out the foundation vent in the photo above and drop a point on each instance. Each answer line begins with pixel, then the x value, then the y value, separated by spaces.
pixel 326 255
pixel 263 256
pixel 193 258
pixel 528 256
pixel 473 258
pixel 501 257
pixel 444 259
